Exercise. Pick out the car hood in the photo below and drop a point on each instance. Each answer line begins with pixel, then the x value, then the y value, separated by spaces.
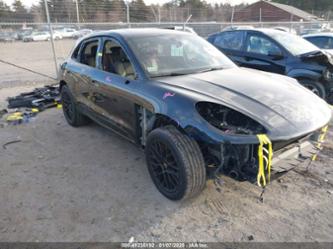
pixel 279 103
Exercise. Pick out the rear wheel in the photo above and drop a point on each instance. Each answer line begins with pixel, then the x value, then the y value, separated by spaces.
pixel 69 107
pixel 175 163
pixel 315 87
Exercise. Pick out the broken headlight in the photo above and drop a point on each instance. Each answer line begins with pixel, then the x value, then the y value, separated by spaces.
pixel 227 120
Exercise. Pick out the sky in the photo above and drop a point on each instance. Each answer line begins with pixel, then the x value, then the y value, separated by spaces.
pixel 28 3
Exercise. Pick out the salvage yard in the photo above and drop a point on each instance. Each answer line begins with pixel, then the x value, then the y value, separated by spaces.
pixel 60 183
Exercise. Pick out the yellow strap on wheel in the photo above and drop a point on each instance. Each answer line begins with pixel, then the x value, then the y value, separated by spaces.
pixel 320 141
pixel 323 134
pixel 265 156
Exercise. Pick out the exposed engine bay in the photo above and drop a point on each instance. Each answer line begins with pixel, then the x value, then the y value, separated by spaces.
pixel 228 120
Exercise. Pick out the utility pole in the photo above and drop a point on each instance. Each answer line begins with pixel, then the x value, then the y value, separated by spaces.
pixel 187 20
pixel 232 16
pixel 260 17
pixel 159 14
pixel 291 22
pixel 77 14
pixel 51 38
pixel 128 14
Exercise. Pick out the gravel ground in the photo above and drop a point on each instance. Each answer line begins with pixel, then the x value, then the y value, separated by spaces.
pixel 36 56
pixel 87 184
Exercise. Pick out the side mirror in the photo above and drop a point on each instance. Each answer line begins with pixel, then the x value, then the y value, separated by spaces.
pixel 275 55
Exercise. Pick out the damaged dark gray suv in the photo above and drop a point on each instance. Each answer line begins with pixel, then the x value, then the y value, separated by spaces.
pixel 194 112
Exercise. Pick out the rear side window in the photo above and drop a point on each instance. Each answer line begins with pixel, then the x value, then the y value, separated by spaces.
pixel 230 40
pixel 322 42
pixel 89 52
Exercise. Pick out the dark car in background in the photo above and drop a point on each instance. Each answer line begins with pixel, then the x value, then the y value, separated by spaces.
pixel 191 108
pixel 321 40
pixel 279 52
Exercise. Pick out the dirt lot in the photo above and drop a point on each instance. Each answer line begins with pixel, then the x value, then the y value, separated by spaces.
pixel 87 184
pixel 36 56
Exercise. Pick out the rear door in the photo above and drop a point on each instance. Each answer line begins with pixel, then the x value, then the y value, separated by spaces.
pixel 263 53
pixel 231 44
pixel 81 70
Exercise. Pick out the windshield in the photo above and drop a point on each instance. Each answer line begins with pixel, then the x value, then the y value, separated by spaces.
pixel 296 45
pixel 176 54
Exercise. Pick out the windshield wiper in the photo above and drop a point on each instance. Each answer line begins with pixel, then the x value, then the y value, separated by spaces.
pixel 168 74
pixel 209 69
pixel 189 72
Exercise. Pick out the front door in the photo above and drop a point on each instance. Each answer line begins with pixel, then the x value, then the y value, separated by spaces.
pixel 112 88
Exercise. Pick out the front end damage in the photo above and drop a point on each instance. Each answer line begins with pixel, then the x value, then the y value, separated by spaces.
pixel 253 155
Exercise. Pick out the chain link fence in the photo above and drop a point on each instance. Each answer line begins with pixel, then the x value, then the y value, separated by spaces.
pixel 75 16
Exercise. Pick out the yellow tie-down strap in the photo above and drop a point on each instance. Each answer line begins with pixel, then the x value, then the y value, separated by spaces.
pixel 320 141
pixel 265 156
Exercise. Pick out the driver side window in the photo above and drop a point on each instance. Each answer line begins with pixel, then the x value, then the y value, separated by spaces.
pixel 115 60
pixel 261 45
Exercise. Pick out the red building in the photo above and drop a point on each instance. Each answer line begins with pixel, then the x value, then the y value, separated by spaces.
pixel 267 11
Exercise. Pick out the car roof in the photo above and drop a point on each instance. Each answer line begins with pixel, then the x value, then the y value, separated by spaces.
pixel 318 34
pixel 136 32
pixel 267 31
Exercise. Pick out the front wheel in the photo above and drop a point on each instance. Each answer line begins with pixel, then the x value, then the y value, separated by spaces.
pixel 315 87
pixel 175 163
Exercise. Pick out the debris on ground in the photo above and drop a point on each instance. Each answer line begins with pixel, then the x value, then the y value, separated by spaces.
pixel 41 98
pixel 25 106
pixel 10 142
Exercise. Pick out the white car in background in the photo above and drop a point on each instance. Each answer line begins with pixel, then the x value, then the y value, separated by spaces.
pixel 57 35
pixel 321 40
pixel 82 32
pixel 67 32
pixel 37 36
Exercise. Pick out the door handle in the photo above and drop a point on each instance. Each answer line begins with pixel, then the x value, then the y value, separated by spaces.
pixel 95 83
pixel 98 98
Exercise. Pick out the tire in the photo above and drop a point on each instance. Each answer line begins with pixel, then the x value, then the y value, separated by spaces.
pixel 316 87
pixel 167 149
pixel 70 110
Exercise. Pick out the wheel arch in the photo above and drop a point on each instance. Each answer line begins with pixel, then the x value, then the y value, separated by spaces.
pixel 304 74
